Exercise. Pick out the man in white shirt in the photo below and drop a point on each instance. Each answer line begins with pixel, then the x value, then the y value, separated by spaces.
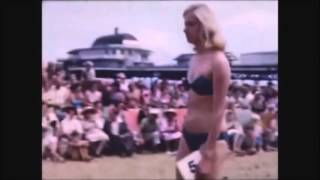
pixel 93 94
pixel 90 73
pixel 71 123
pixel 57 94
pixel 123 82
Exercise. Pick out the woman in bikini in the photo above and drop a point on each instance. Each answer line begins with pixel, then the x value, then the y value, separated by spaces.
pixel 208 80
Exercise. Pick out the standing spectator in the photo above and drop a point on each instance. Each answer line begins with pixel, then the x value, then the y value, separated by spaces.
pixel 170 131
pixel 123 82
pixel 73 79
pixel 89 73
pixel 51 70
pixel 92 131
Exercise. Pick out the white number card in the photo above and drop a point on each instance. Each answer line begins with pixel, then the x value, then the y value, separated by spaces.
pixel 187 166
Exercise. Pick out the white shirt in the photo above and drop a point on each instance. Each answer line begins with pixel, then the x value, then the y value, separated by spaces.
pixel 94 96
pixel 60 96
pixel 124 86
pixel 91 74
pixel 249 97
pixel 115 125
pixel 48 96
pixel 69 125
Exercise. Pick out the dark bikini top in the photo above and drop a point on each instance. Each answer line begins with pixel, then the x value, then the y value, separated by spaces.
pixel 201 85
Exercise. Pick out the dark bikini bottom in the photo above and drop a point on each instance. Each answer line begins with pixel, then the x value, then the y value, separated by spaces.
pixel 195 140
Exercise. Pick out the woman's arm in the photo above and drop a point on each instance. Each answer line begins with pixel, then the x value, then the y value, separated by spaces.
pixel 221 79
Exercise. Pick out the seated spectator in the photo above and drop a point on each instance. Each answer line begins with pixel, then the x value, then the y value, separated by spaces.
pixel 50 133
pixel 77 98
pixel 134 95
pixel 165 97
pixel 237 98
pixel 93 132
pixel 106 94
pixel 235 133
pixel 61 94
pixel 269 128
pixel 155 94
pixel 71 122
pixel 142 113
pixel 269 92
pixel 243 114
pixel 249 95
pixel 93 95
pixel 258 130
pixel 117 94
pixel 61 75
pixel 253 137
pixel 249 142
pixel 170 131
pixel 146 96
pixel 100 116
pixel 78 149
pixel 149 129
pixel 71 141
pixel 121 139
pixel 258 104
pixel 48 92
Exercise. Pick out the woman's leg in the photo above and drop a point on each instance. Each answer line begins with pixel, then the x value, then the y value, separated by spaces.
pixel 183 151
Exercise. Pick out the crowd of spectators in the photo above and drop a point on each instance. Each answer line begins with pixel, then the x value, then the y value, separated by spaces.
pixel 84 117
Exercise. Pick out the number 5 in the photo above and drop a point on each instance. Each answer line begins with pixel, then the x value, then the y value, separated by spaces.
pixel 192 166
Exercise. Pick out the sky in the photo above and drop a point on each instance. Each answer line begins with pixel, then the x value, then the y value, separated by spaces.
pixel 248 26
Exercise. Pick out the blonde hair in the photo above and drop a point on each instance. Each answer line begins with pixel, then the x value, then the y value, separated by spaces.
pixel 211 35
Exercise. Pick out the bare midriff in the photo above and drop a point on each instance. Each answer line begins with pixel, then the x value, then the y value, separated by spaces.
pixel 199 113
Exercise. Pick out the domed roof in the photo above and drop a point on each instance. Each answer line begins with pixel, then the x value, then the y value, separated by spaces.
pixel 116 38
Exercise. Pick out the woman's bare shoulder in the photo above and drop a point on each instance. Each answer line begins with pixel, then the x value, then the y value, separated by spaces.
pixel 220 61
